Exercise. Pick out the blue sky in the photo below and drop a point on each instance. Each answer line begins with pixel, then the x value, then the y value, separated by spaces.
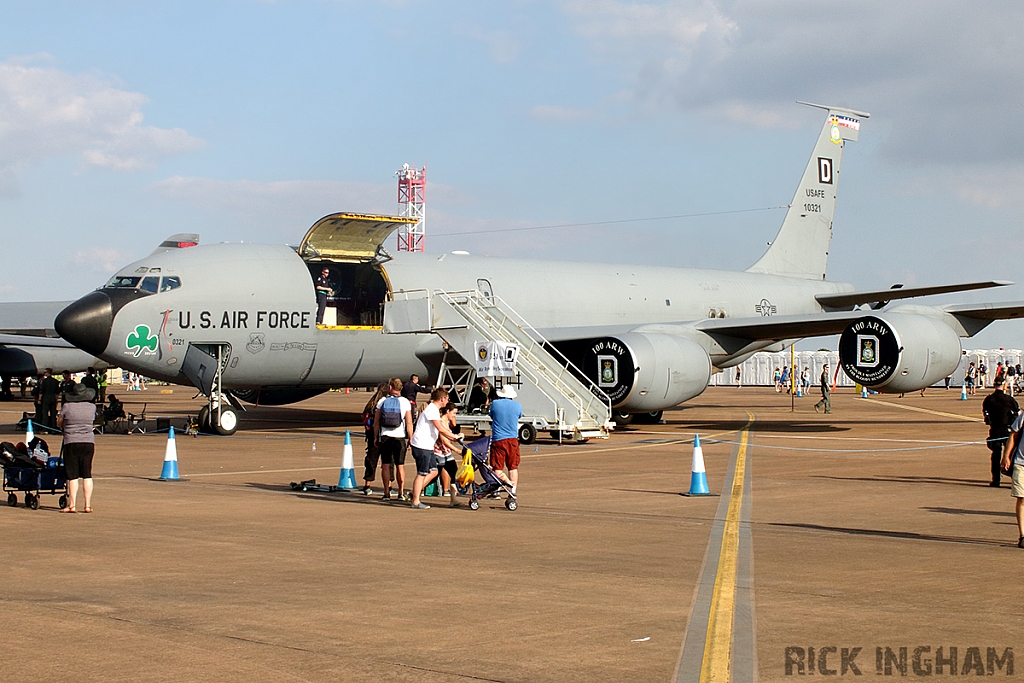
pixel 124 122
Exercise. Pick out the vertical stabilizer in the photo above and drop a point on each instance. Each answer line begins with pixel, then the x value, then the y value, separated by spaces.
pixel 801 247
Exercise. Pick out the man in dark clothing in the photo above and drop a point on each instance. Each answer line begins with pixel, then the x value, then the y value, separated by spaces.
pixel 323 290
pixel 90 381
pixel 46 400
pixel 409 391
pixel 1000 410
pixel 413 387
pixel 67 383
pixel 481 395
pixel 826 392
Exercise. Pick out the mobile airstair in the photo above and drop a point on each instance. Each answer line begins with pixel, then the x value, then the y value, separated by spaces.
pixel 549 388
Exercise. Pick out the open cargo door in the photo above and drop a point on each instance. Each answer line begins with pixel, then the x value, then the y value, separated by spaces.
pixel 350 237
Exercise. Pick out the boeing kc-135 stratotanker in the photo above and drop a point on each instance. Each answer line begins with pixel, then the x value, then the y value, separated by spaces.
pixel 240 320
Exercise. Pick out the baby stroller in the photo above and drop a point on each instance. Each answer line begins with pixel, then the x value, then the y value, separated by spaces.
pixel 492 485
pixel 31 470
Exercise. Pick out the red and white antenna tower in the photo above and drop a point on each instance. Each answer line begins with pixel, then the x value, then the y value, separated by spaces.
pixel 412 189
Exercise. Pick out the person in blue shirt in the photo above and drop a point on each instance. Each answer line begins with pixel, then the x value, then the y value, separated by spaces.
pixel 505 414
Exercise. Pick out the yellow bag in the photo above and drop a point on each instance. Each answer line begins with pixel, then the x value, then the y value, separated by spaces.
pixel 466 474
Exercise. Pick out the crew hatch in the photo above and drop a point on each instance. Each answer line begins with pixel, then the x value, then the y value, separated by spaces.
pixel 350 247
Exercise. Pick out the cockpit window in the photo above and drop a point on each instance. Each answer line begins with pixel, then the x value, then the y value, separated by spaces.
pixel 150 284
pixel 169 283
pixel 124 282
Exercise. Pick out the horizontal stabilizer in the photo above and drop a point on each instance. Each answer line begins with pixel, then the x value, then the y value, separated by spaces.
pixel 880 296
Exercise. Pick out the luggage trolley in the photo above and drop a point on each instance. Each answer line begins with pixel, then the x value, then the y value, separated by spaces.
pixel 24 474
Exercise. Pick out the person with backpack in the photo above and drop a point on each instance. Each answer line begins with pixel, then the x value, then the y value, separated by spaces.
pixel 392 425
pixel 372 456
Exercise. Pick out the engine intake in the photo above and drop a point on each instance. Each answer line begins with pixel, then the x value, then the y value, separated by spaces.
pixel 898 352
pixel 647 372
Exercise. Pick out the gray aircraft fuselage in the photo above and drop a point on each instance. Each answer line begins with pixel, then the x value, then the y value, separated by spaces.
pixel 260 300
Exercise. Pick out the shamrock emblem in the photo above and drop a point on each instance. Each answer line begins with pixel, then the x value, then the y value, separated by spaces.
pixel 141 339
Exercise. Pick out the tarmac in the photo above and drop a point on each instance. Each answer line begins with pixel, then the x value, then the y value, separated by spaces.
pixel 870 528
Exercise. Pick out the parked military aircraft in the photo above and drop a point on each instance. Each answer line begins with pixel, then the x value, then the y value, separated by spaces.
pixel 29 343
pixel 242 318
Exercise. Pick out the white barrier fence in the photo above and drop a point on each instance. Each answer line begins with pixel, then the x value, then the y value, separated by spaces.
pixel 759 369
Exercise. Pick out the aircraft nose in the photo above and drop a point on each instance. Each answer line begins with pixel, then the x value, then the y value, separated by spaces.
pixel 86 323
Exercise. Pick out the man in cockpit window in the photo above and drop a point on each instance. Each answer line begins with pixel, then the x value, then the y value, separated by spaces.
pixel 323 290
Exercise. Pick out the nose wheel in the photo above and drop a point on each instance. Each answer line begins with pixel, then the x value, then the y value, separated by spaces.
pixel 223 421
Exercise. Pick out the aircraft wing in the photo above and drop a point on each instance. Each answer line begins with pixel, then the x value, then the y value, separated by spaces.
pixel 34 319
pixel 34 341
pixel 976 317
pixel 779 327
pixel 883 296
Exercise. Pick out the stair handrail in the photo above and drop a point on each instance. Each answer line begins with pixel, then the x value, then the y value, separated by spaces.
pixel 595 393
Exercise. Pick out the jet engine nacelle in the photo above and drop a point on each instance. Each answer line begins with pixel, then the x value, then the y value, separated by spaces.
pixel 643 372
pixel 898 352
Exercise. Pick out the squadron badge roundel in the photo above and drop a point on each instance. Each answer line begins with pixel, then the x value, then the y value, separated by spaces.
pixel 835 135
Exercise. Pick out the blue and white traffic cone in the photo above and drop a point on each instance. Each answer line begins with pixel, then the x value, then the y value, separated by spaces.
pixel 698 477
pixel 963 391
pixel 347 476
pixel 29 433
pixel 170 471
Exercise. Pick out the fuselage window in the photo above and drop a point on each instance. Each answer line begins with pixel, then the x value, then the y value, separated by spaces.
pixel 124 282
pixel 169 283
pixel 150 284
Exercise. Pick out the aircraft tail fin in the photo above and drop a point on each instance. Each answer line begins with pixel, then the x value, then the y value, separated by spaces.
pixel 801 247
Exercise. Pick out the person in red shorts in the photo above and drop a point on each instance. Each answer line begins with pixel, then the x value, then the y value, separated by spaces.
pixel 505 415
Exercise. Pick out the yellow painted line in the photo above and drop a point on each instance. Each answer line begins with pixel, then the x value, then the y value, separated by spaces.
pixel 926 410
pixel 718 644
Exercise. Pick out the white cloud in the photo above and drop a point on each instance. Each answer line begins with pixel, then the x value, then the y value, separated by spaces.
pixel 45 112
pixel 940 75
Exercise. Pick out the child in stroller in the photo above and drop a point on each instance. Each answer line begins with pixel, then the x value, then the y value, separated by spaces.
pixel 492 485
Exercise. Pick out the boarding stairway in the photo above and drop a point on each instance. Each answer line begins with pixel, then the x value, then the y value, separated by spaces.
pixel 553 397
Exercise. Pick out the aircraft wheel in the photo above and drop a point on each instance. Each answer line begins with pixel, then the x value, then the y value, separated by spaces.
pixel 474 505
pixel 651 418
pixel 228 421
pixel 204 419
pixel 511 504
pixel 622 418
pixel 527 433
pixel 12 500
